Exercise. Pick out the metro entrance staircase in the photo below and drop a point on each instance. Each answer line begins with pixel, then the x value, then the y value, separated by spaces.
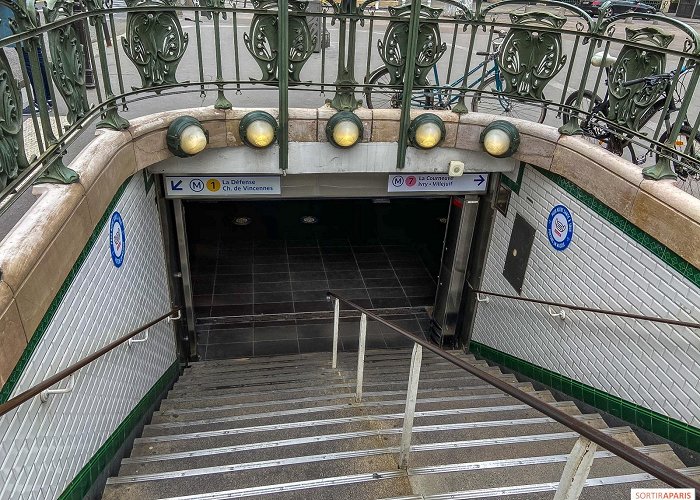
pixel 289 427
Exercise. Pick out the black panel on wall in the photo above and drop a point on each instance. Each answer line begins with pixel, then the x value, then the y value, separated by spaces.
pixel 518 252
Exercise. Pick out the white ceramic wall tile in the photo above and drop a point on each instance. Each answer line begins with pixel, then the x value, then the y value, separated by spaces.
pixel 654 365
pixel 44 446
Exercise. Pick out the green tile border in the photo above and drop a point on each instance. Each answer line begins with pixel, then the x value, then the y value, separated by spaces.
pixel 661 425
pixel 19 368
pixel 514 185
pixel 669 257
pixel 80 486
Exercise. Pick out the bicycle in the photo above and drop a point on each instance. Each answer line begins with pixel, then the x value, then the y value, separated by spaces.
pixel 598 130
pixel 438 97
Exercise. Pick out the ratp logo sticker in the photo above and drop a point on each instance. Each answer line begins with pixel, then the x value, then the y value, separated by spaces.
pixel 560 228
pixel 117 239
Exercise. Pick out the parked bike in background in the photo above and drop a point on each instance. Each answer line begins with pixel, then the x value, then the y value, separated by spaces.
pixel 487 99
pixel 597 119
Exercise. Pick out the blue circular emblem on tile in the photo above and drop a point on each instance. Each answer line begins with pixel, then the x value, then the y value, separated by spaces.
pixel 560 228
pixel 117 239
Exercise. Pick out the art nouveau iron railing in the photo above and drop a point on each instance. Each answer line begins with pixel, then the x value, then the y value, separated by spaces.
pixel 502 58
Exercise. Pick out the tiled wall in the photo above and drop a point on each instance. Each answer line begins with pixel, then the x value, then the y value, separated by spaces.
pixel 44 446
pixel 650 364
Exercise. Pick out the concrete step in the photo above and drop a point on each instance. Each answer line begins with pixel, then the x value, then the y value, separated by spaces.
pixel 234 397
pixel 262 363
pixel 227 425
pixel 302 384
pixel 159 439
pixel 442 446
pixel 348 396
pixel 247 366
pixel 243 411
pixel 610 487
pixel 323 378
pixel 311 373
pixel 268 476
pixel 289 427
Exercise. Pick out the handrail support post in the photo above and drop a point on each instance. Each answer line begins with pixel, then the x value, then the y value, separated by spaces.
pixel 336 325
pixel 361 357
pixel 44 395
pixel 410 411
pixel 576 470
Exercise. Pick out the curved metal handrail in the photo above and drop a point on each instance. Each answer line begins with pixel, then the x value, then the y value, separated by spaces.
pixel 42 386
pixel 636 458
pixel 609 312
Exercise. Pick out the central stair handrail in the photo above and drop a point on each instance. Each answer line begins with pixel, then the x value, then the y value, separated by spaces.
pixel 657 469
pixel 172 315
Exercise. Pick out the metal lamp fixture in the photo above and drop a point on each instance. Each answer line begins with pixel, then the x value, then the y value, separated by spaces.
pixel 258 129
pixel 186 137
pixel 344 129
pixel 426 131
pixel 500 139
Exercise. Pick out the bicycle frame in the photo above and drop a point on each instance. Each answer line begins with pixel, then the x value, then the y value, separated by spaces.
pixel 442 102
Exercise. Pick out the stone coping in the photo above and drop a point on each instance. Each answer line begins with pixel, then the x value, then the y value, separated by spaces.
pixel 36 256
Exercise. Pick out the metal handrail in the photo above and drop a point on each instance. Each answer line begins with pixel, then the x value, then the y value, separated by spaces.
pixel 636 458
pixel 40 387
pixel 609 312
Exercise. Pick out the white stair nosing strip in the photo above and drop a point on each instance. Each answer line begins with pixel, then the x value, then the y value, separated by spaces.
pixel 263 464
pixel 334 481
pixel 325 397
pixel 351 435
pixel 295 359
pixel 270 380
pixel 184 394
pixel 295 486
pixel 541 487
pixel 346 420
pixel 296 411
pixel 349 386
pixel 256 374
pixel 297 364
pixel 414 471
pixel 526 488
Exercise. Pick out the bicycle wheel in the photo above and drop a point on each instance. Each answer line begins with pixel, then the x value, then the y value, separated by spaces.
pixel 381 97
pixel 684 170
pixel 593 129
pixel 505 105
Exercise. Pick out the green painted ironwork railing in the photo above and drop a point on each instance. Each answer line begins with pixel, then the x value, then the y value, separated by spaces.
pixel 103 66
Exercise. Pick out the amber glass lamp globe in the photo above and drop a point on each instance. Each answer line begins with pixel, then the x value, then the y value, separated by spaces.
pixel 428 135
pixel 193 140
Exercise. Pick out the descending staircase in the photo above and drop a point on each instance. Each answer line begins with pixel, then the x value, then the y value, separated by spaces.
pixel 288 427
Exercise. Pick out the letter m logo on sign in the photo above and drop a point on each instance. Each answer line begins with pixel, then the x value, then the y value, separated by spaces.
pixel 196 185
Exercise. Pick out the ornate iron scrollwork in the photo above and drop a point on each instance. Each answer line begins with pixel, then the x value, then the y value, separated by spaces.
pixel 67 60
pixel 12 156
pixel 530 58
pixel 25 19
pixel 630 103
pixel 394 48
pixel 154 42
pixel 263 41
